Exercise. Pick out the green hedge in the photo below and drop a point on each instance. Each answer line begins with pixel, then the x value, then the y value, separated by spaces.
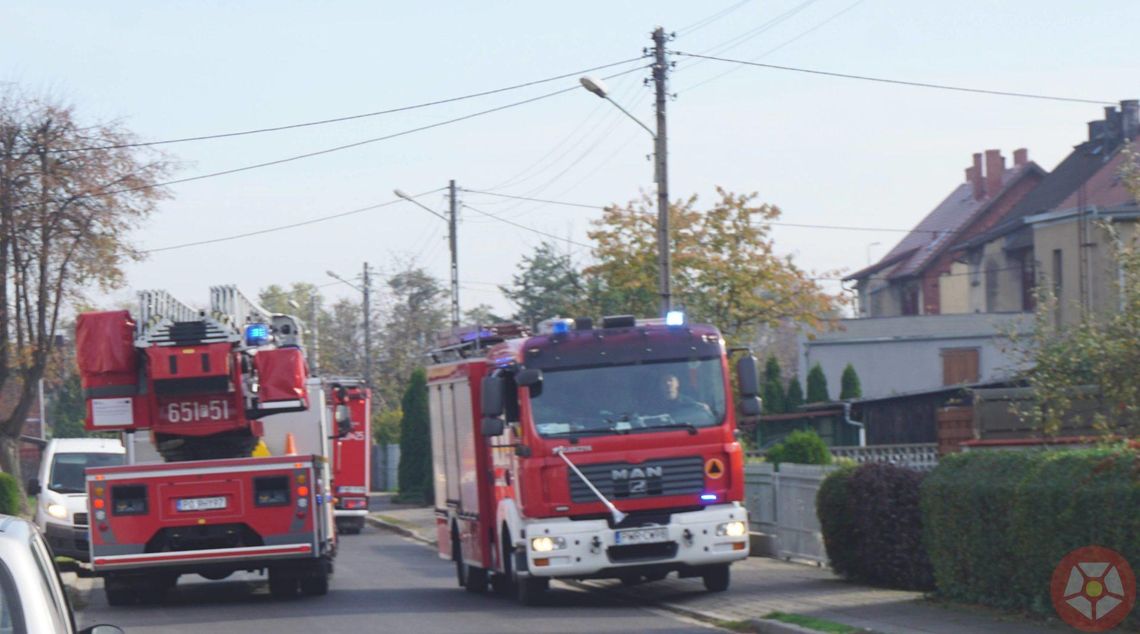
pixel 998 523
pixel 872 525
pixel 11 495
pixel 802 446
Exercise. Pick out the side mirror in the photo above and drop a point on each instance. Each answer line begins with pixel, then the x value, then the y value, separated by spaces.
pixel 530 378
pixel 32 486
pixel 749 406
pixel 343 420
pixel 748 376
pixel 492 427
pixel 491 397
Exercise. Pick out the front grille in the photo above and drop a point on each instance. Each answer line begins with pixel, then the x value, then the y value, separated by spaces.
pixel 671 476
pixel 79 519
pixel 640 552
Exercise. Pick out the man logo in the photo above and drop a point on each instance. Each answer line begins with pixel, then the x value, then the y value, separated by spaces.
pixel 636 481
pixel 1093 589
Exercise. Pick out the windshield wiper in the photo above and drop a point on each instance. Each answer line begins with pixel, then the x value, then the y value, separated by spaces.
pixel 692 429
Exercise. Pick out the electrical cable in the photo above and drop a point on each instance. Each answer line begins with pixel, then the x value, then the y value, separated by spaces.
pixel 338 148
pixel 787 42
pixel 293 126
pixel 531 229
pixel 283 227
pixel 703 22
pixel 900 82
pixel 734 42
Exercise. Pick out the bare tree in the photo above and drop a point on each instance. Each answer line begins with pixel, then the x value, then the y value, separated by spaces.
pixel 69 196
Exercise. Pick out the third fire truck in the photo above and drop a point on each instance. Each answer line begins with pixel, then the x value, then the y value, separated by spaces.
pixel 588 452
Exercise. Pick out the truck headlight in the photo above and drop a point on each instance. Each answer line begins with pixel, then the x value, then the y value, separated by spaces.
pixel 57 511
pixel 731 529
pixel 547 544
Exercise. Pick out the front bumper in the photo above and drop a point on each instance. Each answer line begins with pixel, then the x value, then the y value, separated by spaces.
pixel 68 541
pixel 591 549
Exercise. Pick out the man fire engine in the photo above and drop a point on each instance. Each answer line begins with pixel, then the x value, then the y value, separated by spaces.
pixel 587 452
pixel 201 382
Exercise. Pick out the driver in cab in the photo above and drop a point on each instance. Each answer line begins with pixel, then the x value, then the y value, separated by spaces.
pixel 681 407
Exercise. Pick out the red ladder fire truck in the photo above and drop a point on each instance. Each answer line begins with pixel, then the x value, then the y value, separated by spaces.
pixel 201 382
pixel 586 452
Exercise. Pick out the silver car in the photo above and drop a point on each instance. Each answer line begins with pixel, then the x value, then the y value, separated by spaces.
pixel 38 602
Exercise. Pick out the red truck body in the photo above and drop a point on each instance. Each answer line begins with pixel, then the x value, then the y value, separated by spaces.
pixel 205 384
pixel 352 455
pixel 587 473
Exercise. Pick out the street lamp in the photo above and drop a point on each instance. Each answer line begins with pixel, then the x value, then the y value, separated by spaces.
pixel 366 291
pixel 451 240
pixel 660 164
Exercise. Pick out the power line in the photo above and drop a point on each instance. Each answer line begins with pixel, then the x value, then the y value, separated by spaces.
pixel 734 42
pixel 900 82
pixel 306 124
pixel 774 224
pixel 531 229
pixel 338 148
pixel 703 22
pixel 283 227
pixel 787 42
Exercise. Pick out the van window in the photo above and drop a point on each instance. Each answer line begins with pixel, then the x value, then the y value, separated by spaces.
pixel 67 469
pixel 11 617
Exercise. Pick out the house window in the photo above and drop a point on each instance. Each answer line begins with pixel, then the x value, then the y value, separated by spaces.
pixel 1028 282
pixel 959 365
pixel 991 285
pixel 909 299
pixel 1057 282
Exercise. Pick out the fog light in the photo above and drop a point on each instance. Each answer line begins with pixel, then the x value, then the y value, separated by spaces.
pixel 57 511
pixel 547 544
pixel 731 529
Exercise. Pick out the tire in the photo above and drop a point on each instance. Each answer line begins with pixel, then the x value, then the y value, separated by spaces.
pixel 118 593
pixel 316 582
pixel 716 578
pixel 476 581
pixel 503 582
pixel 282 583
pixel 531 591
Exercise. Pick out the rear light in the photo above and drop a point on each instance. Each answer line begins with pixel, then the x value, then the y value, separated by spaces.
pixel 303 491
pixel 352 504
pixel 99 503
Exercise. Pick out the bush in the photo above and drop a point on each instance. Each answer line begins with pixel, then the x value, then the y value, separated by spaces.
pixel 1000 522
pixel 802 446
pixel 872 526
pixel 415 470
pixel 11 495
pixel 817 385
pixel 794 399
pixel 849 384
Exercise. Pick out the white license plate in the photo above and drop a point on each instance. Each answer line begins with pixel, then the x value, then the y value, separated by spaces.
pixel 641 536
pixel 201 504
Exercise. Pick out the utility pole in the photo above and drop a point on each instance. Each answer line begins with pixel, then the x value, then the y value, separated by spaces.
pixel 660 72
pixel 451 238
pixel 367 327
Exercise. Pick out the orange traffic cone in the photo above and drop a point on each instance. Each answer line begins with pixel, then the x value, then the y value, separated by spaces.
pixel 290 445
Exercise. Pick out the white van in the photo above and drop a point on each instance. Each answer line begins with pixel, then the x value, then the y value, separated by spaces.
pixel 61 510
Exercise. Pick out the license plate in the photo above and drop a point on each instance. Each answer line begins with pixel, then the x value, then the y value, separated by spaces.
pixel 641 536
pixel 202 504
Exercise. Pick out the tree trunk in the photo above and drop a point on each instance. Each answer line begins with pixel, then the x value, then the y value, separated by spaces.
pixel 10 458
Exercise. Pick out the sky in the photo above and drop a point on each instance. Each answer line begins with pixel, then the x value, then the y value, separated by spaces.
pixel 827 151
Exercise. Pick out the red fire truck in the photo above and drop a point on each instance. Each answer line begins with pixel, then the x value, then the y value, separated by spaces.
pixel 352 454
pixel 588 452
pixel 201 382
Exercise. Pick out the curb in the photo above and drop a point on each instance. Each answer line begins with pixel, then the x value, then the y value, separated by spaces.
pixel 769 626
pixel 396 528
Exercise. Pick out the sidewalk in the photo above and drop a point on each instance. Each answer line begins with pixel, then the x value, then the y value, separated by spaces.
pixel 761 586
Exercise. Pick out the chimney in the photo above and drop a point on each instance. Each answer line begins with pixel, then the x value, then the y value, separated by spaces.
pixel 995 169
pixel 1129 118
pixel 976 177
pixel 1111 122
pixel 1097 130
pixel 1020 157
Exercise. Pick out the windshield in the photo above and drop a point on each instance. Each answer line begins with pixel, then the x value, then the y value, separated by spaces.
pixel 67 469
pixel 629 398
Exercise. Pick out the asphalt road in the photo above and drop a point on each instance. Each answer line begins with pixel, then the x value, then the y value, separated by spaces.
pixel 383 583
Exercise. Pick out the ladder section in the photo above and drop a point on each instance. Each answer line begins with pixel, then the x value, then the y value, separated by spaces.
pixel 231 307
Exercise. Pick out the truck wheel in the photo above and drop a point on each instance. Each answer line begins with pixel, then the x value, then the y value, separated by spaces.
pixel 316 582
pixel 501 581
pixel 531 590
pixel 118 593
pixel 476 581
pixel 282 583
pixel 716 578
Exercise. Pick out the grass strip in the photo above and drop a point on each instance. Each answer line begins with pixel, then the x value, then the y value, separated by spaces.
pixel 812 623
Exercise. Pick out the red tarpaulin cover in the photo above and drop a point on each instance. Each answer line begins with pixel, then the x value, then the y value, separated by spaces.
pixel 104 343
pixel 281 374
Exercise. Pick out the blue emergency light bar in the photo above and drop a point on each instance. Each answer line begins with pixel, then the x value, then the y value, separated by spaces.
pixel 256 335
pixel 675 318
pixel 708 497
